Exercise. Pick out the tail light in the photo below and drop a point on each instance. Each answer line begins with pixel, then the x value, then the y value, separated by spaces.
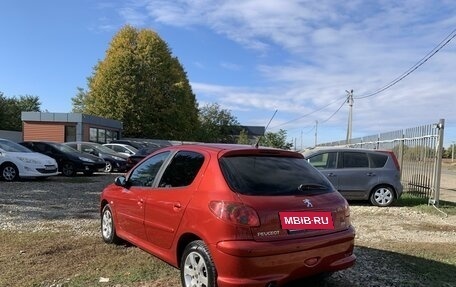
pixel 235 213
pixel 343 214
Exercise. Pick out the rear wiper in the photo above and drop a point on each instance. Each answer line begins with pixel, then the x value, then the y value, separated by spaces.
pixel 311 186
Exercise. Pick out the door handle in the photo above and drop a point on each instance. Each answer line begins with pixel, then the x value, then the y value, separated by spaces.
pixel 177 206
pixel 331 174
pixel 371 174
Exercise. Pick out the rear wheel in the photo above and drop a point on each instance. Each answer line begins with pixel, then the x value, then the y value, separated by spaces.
pixel 68 169
pixel 9 172
pixel 382 196
pixel 197 268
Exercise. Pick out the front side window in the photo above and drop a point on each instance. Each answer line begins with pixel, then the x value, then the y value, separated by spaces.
pixel 324 160
pixel 146 172
pixel 269 175
pixel 182 170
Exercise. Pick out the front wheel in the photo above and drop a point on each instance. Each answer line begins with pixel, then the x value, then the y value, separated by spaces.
pixel 68 169
pixel 108 229
pixel 9 172
pixel 108 167
pixel 197 268
pixel 382 196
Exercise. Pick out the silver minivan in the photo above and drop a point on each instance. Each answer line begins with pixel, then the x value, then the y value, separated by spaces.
pixel 360 174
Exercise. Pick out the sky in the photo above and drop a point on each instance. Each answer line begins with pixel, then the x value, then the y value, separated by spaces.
pixel 293 61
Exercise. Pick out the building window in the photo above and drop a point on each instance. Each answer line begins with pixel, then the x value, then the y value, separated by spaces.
pixel 93 135
pixel 70 133
pixel 103 135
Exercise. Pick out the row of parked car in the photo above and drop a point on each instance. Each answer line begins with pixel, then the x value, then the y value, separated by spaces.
pixel 41 159
pixel 356 173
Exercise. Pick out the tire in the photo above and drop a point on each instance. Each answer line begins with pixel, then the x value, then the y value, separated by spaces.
pixel 9 172
pixel 382 196
pixel 197 268
pixel 68 169
pixel 108 229
pixel 108 167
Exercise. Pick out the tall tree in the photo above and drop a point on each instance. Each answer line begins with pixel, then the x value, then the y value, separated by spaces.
pixel 11 108
pixel 141 84
pixel 217 124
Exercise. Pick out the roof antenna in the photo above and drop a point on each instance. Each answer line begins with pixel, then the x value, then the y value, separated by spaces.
pixel 259 138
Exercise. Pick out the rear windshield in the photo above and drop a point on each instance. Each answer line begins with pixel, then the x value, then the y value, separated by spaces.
pixel 269 175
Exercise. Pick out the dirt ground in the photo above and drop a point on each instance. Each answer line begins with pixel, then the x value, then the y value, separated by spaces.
pixel 448 182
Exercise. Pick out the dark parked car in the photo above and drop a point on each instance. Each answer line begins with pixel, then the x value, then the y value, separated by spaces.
pixel 114 160
pixel 138 144
pixel 231 215
pixel 69 160
pixel 140 155
pixel 360 174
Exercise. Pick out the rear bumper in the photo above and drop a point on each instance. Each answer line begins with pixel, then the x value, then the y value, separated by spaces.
pixel 250 263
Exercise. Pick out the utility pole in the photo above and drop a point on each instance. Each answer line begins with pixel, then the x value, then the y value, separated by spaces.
pixel 350 115
pixel 452 151
pixel 316 132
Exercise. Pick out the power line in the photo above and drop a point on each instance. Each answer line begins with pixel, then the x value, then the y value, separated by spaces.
pixel 306 115
pixel 429 55
pixel 345 100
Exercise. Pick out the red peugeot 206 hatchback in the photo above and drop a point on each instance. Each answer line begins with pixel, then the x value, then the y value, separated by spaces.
pixel 231 215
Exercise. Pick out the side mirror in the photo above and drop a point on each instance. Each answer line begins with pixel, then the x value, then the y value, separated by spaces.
pixel 121 181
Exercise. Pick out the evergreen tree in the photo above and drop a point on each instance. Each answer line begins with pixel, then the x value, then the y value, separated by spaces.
pixel 142 85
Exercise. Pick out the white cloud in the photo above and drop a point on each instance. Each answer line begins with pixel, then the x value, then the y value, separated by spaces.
pixel 329 47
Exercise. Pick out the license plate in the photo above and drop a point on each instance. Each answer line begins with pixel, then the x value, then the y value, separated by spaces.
pixel 49 167
pixel 300 220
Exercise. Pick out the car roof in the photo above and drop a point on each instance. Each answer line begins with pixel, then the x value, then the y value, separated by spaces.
pixel 231 149
pixel 335 148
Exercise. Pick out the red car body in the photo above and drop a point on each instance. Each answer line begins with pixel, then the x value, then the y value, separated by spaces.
pixel 219 217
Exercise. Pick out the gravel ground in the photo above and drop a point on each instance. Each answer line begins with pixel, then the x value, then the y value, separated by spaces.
pixel 72 203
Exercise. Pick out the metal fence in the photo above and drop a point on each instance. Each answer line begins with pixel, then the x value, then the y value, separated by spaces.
pixel 419 152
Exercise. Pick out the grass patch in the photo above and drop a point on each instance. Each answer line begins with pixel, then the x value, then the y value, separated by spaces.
pixel 46 258
pixel 422 205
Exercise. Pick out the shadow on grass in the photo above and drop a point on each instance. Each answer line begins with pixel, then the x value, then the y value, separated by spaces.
pixel 378 268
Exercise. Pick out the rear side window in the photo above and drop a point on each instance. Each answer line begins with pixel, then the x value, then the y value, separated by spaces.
pixel 355 160
pixel 268 175
pixel 182 170
pixel 378 160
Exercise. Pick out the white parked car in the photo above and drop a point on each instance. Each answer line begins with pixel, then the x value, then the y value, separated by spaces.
pixel 17 162
pixel 124 149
